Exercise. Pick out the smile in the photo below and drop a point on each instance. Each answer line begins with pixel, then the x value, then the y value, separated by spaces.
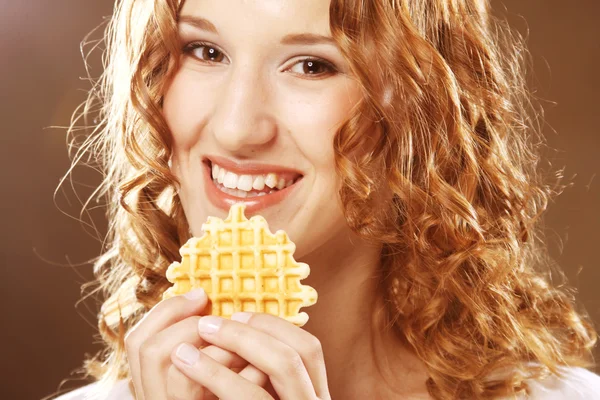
pixel 256 185
pixel 244 186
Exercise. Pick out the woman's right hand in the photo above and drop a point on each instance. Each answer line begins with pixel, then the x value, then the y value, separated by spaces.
pixel 151 341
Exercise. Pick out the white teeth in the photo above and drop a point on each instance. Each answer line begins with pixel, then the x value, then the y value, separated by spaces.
pixel 281 184
pixel 259 183
pixel 231 180
pixel 245 183
pixel 234 192
pixel 271 180
pixel 227 190
pixel 242 185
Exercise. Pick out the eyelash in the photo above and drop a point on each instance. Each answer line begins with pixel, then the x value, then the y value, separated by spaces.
pixel 331 70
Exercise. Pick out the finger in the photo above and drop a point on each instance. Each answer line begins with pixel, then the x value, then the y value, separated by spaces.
pixel 236 364
pixel 280 362
pixel 249 372
pixel 154 355
pixel 220 380
pixel 306 345
pixel 254 375
pixel 180 387
pixel 224 357
pixel 158 318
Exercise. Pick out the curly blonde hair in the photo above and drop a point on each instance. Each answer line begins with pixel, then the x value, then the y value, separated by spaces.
pixel 446 128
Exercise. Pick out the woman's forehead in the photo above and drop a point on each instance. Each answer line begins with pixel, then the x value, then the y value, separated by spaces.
pixel 274 16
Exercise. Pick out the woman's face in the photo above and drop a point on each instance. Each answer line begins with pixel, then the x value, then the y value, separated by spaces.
pixel 253 111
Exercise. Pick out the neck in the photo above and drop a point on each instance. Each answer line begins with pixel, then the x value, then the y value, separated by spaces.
pixel 349 321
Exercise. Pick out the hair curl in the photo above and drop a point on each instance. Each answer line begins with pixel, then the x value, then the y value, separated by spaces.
pixel 446 132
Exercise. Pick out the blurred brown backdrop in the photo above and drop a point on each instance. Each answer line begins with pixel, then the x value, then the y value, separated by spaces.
pixel 44 252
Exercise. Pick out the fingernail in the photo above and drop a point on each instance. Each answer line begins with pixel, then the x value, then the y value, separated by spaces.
pixel 195 294
pixel 187 353
pixel 242 317
pixel 209 324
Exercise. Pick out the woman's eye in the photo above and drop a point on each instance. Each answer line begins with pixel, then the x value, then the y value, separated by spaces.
pixel 204 52
pixel 311 67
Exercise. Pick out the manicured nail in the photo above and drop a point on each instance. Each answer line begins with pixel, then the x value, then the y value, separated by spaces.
pixel 209 324
pixel 187 353
pixel 242 317
pixel 195 294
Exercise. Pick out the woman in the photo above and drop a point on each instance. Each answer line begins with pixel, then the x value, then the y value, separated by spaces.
pixel 400 137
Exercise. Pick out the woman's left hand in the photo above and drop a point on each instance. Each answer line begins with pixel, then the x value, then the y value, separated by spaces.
pixel 291 358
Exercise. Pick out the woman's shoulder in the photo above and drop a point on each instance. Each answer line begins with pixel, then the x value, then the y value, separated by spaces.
pixel 574 384
pixel 120 391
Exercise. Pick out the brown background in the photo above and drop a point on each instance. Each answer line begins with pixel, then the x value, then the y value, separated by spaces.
pixel 44 252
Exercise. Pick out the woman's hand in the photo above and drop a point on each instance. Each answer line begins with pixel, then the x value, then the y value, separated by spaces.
pixel 290 357
pixel 150 343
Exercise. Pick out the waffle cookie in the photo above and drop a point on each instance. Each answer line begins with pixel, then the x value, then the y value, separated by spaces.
pixel 242 266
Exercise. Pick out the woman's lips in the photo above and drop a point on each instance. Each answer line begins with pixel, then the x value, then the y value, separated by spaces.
pixel 224 200
pixel 251 168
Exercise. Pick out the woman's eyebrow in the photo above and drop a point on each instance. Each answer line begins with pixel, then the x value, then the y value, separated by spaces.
pixel 290 39
pixel 199 23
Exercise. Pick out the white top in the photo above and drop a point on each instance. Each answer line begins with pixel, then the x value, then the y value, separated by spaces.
pixel 577 384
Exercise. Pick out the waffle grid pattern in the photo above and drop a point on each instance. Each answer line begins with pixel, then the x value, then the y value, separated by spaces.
pixel 243 267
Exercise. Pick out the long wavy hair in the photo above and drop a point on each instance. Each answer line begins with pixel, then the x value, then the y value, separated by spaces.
pixel 447 127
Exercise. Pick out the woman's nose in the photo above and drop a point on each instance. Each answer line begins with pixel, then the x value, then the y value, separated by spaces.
pixel 243 118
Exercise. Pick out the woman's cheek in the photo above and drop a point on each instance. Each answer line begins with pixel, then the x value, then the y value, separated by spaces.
pixel 314 123
pixel 185 109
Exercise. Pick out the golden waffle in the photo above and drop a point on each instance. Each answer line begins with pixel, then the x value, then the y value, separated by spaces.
pixel 242 266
